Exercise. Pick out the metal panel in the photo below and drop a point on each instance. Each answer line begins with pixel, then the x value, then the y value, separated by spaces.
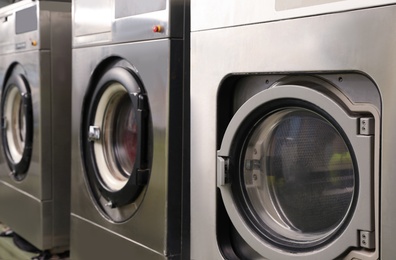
pixel 287 4
pixel 108 21
pixel 38 180
pixel 207 14
pixel 38 229
pixel 44 193
pixel 21 33
pixel 351 41
pixel 125 8
pixel 92 17
pixel 156 224
pixel 61 124
pixel 116 247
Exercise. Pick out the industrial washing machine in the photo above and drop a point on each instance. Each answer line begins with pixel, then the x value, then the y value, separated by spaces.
pixel 292 119
pixel 35 78
pixel 130 95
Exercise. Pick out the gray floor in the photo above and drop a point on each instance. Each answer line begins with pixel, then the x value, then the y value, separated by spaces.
pixel 8 250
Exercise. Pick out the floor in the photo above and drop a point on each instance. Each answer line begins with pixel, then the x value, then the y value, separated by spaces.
pixel 8 250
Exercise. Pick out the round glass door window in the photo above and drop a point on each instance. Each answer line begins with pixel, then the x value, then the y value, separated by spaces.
pixel 17 124
pixel 297 177
pixel 116 135
pixel 16 129
pixel 295 172
pixel 116 151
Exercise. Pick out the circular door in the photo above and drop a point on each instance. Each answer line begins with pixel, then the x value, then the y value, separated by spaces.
pixel 115 138
pixel 293 170
pixel 17 124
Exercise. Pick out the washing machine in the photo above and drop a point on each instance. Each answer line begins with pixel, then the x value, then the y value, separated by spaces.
pixel 35 79
pixel 292 119
pixel 129 100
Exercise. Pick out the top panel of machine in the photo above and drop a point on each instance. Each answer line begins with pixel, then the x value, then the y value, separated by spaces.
pixel 209 14
pixel 25 25
pixel 98 22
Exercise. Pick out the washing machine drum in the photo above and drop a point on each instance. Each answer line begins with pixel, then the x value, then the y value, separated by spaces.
pixel 115 134
pixel 17 123
pixel 291 168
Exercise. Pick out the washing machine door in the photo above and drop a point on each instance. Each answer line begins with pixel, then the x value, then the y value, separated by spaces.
pixel 114 134
pixel 295 170
pixel 17 123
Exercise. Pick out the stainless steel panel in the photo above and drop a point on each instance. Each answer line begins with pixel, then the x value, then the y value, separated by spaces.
pixel 114 21
pixel 92 17
pixel 29 217
pixel 5 2
pixel 48 91
pixel 7 26
pixel 350 41
pixel 287 4
pixel 125 8
pixel 32 40
pixel 156 224
pixel 39 178
pixel 116 247
pixel 61 124
pixel 207 14
pixel 47 185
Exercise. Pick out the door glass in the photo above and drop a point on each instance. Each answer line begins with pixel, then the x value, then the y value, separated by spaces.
pixel 125 138
pixel 115 153
pixel 16 123
pixel 298 175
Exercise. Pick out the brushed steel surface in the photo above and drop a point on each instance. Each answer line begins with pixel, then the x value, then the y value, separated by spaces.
pixel 24 41
pixel 87 243
pixel 48 67
pixel 99 22
pixel 157 223
pixel 5 2
pixel 38 180
pixel 207 14
pixel 359 40
pixel 33 218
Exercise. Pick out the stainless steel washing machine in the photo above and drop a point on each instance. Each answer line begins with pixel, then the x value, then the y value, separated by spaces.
pixel 128 133
pixel 292 118
pixel 35 79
